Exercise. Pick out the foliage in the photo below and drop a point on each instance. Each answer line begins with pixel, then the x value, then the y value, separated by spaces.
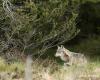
pixel 37 25
pixel 88 19
pixel 90 47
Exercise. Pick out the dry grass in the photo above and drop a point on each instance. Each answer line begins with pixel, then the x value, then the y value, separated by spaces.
pixel 50 70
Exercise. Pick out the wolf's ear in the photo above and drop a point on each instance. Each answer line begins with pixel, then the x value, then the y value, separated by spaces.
pixel 58 47
pixel 62 46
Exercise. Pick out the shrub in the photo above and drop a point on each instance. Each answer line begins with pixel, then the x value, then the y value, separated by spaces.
pixel 37 25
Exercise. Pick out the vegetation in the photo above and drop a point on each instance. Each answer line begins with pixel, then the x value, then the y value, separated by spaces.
pixel 51 70
pixel 36 27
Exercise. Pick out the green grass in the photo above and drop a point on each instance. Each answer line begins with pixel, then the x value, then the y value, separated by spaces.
pixel 11 67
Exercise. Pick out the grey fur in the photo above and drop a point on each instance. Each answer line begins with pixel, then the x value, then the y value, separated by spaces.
pixel 70 58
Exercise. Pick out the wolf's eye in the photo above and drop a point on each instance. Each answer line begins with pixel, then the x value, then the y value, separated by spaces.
pixel 59 51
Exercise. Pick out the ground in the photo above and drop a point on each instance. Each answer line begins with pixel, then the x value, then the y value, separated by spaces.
pixel 49 70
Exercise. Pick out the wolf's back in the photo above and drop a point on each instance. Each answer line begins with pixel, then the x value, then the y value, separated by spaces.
pixel 78 58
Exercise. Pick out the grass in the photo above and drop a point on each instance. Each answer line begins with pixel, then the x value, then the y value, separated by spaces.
pixel 51 70
pixel 11 67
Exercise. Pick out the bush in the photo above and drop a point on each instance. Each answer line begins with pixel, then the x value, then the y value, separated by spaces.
pixel 37 25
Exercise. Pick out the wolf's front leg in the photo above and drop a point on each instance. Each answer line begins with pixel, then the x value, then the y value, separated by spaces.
pixel 67 64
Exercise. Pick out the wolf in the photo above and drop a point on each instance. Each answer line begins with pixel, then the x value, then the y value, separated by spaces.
pixel 70 58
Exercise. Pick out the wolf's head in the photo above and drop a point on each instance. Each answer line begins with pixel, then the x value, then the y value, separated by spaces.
pixel 63 53
pixel 60 51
